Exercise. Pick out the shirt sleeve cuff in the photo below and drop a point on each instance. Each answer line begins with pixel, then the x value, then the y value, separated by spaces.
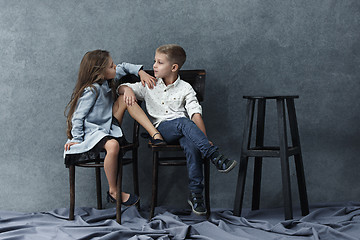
pixel 193 111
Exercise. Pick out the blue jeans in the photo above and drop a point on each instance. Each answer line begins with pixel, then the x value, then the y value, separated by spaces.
pixel 195 144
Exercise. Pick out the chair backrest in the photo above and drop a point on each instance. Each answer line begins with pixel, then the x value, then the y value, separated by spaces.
pixel 195 77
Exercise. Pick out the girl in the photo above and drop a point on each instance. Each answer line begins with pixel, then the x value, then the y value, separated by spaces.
pixel 91 126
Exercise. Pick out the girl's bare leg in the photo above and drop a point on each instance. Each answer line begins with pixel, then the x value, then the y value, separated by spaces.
pixel 136 113
pixel 111 166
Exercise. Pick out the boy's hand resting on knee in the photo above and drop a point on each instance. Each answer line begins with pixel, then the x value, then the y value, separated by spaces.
pixel 147 78
pixel 129 96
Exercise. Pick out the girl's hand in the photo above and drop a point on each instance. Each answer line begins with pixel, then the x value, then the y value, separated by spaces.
pixel 67 145
pixel 147 78
pixel 129 97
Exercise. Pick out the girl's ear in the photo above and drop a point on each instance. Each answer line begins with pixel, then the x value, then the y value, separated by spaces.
pixel 175 67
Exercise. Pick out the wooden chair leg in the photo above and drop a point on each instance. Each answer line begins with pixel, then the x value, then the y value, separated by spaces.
pixel 207 186
pixel 154 184
pixel 72 191
pixel 118 191
pixel 240 187
pixel 284 158
pixel 260 128
pixel 98 188
pixel 135 175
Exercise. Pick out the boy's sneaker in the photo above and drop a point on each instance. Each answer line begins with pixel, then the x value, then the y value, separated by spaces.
pixel 196 202
pixel 222 163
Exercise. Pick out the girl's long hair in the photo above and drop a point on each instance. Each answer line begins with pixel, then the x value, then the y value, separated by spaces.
pixel 91 71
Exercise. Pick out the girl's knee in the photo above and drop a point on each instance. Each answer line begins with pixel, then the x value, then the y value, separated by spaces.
pixel 112 146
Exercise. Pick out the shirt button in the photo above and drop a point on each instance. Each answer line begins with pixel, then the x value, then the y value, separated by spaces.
pixel 166 111
pixel 165 90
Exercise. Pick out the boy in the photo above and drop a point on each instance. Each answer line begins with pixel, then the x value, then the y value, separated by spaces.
pixel 176 113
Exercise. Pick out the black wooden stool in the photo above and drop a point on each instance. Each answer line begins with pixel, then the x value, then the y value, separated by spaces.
pixel 283 152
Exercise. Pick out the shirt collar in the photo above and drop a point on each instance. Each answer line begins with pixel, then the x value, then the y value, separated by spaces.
pixel 173 84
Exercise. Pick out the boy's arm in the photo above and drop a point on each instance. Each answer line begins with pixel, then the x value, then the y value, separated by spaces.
pixel 197 119
pixel 129 95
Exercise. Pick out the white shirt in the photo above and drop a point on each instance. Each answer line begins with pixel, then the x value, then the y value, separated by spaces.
pixel 164 103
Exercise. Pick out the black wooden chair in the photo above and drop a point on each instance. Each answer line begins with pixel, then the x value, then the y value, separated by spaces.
pixel 98 163
pixel 197 79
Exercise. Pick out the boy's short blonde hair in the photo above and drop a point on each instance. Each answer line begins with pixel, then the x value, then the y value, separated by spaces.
pixel 175 53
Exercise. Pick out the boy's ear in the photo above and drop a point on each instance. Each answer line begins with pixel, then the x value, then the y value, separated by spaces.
pixel 175 67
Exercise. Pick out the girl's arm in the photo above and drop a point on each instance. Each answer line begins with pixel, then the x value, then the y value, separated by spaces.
pixel 147 78
pixel 84 104
pixel 123 69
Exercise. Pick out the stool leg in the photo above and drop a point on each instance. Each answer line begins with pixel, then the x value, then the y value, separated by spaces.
pixel 207 186
pixel 72 191
pixel 258 160
pixel 135 174
pixel 119 190
pixel 240 187
pixel 298 157
pixel 154 183
pixel 284 158
pixel 98 187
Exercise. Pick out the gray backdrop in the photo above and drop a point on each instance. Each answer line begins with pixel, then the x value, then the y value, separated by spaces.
pixel 310 48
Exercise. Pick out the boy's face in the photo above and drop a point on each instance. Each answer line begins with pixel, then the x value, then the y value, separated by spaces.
pixel 110 70
pixel 163 68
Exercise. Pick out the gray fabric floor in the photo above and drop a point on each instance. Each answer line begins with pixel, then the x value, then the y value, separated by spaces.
pixel 326 221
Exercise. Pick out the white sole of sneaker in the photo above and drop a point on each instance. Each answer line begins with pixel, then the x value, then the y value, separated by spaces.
pixel 229 168
pixel 193 210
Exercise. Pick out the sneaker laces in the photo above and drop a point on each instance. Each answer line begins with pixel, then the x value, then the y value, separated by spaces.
pixel 197 198
pixel 219 160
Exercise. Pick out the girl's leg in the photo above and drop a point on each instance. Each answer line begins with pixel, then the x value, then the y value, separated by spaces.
pixel 111 166
pixel 136 113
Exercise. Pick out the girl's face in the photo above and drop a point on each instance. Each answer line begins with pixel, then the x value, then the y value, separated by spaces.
pixel 110 70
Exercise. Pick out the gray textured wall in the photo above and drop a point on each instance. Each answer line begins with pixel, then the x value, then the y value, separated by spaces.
pixel 309 48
